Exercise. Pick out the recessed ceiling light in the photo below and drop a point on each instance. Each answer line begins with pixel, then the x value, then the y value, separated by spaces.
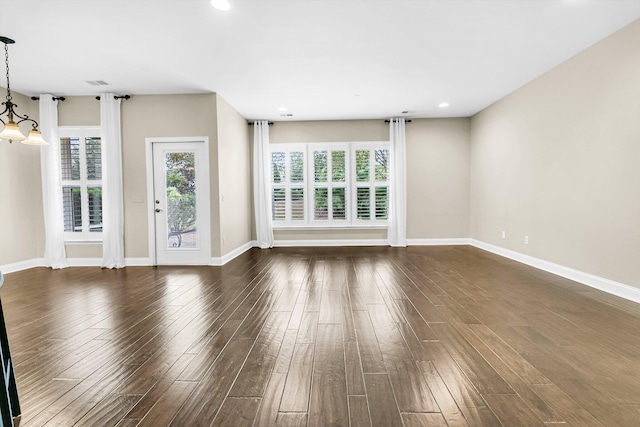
pixel 282 109
pixel 221 4
pixel 443 105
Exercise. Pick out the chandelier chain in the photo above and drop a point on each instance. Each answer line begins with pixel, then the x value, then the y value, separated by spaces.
pixel 6 61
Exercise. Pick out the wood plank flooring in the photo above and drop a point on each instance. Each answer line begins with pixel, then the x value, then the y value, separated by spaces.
pixel 421 336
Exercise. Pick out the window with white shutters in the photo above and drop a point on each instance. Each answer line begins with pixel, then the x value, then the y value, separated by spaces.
pixel 81 181
pixel 329 173
pixel 371 182
pixel 330 185
pixel 288 184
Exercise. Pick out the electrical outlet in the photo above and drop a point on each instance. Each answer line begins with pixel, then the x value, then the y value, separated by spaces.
pixel 504 234
pixel 526 240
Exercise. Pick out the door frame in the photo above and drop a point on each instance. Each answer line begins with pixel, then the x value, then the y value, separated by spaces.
pixel 205 177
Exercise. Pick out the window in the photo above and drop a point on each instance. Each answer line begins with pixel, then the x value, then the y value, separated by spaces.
pixel 287 184
pixel 371 182
pixel 329 180
pixel 330 185
pixel 81 180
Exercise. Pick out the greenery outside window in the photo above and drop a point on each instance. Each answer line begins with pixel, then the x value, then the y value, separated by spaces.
pixel 181 199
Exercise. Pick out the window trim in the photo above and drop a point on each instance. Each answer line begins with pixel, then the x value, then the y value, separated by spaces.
pixel 309 185
pixel 82 132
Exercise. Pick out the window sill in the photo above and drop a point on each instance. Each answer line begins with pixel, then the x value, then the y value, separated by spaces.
pixel 83 242
pixel 307 227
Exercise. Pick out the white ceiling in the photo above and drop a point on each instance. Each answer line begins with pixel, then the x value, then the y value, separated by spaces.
pixel 322 59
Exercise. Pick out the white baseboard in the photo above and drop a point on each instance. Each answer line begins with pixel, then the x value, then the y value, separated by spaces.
pixel 97 262
pixel 328 242
pixel 370 242
pixel 219 261
pixel 22 265
pixel 438 242
pixel 73 262
pixel 138 262
pixel 615 288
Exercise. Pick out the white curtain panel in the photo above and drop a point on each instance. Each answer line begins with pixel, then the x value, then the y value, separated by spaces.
pixel 398 182
pixel 112 195
pixel 262 184
pixel 54 250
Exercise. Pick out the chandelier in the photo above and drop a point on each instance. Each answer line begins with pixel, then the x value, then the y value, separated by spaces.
pixel 11 131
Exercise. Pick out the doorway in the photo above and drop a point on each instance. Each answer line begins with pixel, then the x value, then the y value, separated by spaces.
pixel 179 205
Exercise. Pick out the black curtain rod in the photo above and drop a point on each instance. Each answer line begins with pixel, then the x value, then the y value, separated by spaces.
pixel 252 123
pixel 55 98
pixel 62 98
pixel 116 97
pixel 389 121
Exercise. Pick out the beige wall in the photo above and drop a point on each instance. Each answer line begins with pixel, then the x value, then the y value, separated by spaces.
pixel 359 234
pixel 234 175
pixel 558 159
pixel 21 221
pixel 438 178
pixel 79 111
pixel 329 131
pixel 146 116
pixel 437 173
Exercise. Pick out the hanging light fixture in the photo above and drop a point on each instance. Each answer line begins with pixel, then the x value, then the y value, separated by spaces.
pixel 11 131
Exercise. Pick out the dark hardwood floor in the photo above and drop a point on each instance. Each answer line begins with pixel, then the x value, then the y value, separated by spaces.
pixel 423 336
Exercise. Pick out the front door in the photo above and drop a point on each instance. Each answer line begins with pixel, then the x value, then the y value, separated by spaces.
pixel 181 209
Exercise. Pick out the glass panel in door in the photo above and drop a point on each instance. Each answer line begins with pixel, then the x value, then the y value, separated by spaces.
pixel 180 203
pixel 180 184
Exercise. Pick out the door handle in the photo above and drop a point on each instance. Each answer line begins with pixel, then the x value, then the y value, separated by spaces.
pixel 158 210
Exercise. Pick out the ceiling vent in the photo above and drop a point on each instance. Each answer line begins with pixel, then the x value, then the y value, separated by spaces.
pixel 97 83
